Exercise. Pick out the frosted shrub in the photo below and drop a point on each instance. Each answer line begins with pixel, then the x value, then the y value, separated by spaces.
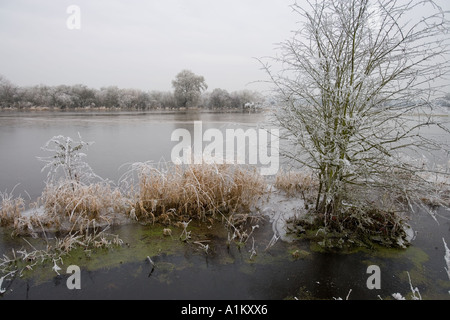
pixel 10 209
pixel 348 82
pixel 66 161
pixel 74 195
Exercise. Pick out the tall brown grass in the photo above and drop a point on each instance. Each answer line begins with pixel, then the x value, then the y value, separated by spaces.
pixel 11 209
pixel 193 191
pixel 295 182
pixel 71 205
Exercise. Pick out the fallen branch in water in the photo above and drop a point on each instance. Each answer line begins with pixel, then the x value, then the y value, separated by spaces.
pixel 414 291
pixel 447 258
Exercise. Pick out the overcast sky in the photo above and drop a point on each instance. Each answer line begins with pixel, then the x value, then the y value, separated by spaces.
pixel 141 44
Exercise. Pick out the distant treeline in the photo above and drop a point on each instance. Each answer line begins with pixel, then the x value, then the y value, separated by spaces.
pixel 76 97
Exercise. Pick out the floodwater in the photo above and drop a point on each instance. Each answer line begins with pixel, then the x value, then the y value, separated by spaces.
pixel 184 270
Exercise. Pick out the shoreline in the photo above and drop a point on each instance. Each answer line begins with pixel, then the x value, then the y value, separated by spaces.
pixel 120 110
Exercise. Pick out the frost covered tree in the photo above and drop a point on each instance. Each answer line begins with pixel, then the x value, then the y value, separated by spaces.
pixel 445 101
pixel 82 96
pixel 220 98
pixel 188 88
pixel 8 93
pixel 356 84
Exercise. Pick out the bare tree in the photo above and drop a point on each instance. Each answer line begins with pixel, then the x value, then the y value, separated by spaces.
pixel 445 101
pixel 82 96
pixel 8 93
pixel 220 98
pixel 164 100
pixel 350 81
pixel 188 88
pixel 109 97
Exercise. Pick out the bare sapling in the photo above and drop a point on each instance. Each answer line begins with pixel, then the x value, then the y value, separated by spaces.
pixel 66 161
pixel 74 194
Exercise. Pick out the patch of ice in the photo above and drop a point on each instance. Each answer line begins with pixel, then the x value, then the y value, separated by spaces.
pixel 410 236
pixel 280 208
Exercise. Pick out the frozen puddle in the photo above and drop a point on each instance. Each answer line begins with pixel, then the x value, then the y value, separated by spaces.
pixel 280 208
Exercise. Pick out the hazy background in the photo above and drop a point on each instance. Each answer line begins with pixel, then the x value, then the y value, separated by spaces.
pixel 142 44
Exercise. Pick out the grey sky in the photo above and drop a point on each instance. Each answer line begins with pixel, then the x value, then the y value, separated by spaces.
pixel 141 44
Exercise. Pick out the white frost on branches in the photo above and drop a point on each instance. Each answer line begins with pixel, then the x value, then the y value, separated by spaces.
pixel 67 161
pixel 447 258
pixel 398 296
pixel 354 98
pixel 55 267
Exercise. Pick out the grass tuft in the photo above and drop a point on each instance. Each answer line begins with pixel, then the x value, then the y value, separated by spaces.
pixel 194 191
pixel 11 209
pixel 71 205
pixel 295 182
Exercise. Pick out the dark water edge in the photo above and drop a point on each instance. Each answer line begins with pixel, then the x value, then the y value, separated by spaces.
pixel 183 271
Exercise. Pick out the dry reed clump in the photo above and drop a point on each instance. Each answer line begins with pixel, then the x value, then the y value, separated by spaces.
pixel 69 207
pixel 10 209
pixel 439 191
pixel 70 204
pixel 296 182
pixel 193 191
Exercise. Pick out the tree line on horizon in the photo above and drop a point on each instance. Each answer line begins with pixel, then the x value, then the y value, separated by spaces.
pixel 189 92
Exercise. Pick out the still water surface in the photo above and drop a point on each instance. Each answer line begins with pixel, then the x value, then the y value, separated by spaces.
pixel 226 272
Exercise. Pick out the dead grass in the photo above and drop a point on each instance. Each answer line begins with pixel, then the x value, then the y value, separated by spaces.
pixel 72 205
pixel 80 211
pixel 295 183
pixel 194 191
pixel 172 194
pixel 70 208
pixel 152 193
pixel 10 209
